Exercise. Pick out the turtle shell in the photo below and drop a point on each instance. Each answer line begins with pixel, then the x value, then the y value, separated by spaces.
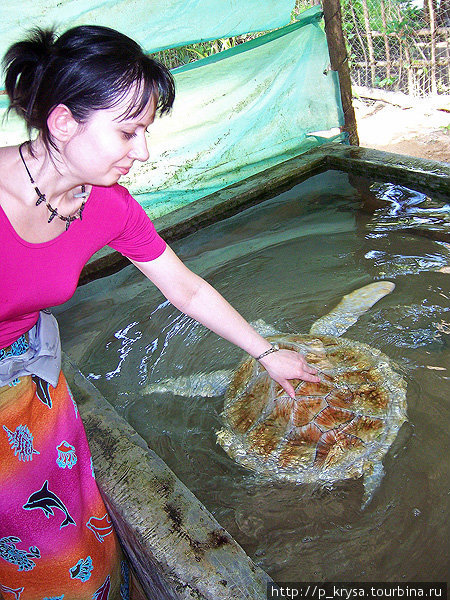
pixel 334 429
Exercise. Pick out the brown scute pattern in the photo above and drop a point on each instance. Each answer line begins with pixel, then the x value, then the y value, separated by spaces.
pixel 309 434
pixel 328 378
pixel 330 418
pixel 333 445
pixel 341 398
pixel 329 425
pixel 371 398
pixel 349 358
pixel 266 437
pixel 300 447
pixel 315 357
pixel 320 361
pixel 306 409
pixel 240 379
pixel 365 428
pixel 358 377
pixel 309 388
pixel 248 408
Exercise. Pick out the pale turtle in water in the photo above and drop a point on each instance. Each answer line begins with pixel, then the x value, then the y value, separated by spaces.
pixel 339 428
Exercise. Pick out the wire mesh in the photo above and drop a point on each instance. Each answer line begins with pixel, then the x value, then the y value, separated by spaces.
pixel 397 45
pixel 400 46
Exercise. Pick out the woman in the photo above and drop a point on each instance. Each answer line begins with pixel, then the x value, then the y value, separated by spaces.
pixel 90 95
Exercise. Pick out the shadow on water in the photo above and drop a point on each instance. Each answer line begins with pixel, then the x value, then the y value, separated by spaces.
pixel 289 261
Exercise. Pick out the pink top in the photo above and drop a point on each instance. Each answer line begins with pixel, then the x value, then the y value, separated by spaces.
pixel 37 276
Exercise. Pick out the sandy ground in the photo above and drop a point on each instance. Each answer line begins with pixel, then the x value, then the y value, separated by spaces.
pixel 397 123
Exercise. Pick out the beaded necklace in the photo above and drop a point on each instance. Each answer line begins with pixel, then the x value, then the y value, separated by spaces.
pixel 54 211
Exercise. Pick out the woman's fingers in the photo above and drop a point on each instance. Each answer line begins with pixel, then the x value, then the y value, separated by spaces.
pixel 285 365
pixel 288 388
pixel 309 373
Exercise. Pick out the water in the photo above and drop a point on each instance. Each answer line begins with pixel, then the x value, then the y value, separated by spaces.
pixel 289 261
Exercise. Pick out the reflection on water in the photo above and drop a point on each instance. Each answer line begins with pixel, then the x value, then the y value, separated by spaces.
pixel 408 209
pixel 289 261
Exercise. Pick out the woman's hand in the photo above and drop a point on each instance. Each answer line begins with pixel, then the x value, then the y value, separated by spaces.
pixel 284 365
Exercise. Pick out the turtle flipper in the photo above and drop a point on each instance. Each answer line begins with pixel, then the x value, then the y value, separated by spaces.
pixel 263 328
pixel 350 308
pixel 206 385
pixel 372 479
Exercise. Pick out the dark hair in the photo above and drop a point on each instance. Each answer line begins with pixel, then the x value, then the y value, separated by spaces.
pixel 87 68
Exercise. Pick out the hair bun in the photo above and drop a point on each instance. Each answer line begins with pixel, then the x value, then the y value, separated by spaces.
pixel 39 45
pixel 24 64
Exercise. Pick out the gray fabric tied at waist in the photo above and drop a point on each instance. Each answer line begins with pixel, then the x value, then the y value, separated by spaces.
pixel 43 357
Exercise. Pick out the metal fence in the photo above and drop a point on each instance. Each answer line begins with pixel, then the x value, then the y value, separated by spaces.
pixel 399 46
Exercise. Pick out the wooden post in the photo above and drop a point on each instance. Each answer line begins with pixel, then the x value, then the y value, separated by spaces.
pixel 447 54
pixel 361 43
pixel 400 47
pixel 339 63
pixel 410 68
pixel 369 42
pixel 386 41
pixel 433 45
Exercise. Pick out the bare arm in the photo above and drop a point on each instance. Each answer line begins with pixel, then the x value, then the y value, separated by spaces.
pixel 195 297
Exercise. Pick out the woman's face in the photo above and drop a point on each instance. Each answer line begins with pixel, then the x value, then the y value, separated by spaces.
pixel 105 146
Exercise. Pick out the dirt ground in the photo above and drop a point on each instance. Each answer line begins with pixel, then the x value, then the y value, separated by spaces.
pixel 397 123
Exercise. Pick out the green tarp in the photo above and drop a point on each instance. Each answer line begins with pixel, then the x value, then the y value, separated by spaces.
pixel 155 24
pixel 239 113
pixel 235 114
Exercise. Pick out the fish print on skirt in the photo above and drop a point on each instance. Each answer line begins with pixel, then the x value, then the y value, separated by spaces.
pixel 21 441
pixel 100 527
pixel 7 590
pixel 21 558
pixel 45 464
pixel 46 501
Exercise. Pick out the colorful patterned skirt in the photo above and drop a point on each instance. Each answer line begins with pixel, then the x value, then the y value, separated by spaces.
pixel 56 538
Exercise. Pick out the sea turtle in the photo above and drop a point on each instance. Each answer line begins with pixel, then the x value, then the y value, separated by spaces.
pixel 336 429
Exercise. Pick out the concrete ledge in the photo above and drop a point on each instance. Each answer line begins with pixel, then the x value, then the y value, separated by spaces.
pixel 426 175
pixel 176 547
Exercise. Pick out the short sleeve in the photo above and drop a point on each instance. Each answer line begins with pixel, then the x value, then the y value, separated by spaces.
pixel 138 239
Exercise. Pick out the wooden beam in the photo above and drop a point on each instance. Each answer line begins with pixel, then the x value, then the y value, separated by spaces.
pixel 339 63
